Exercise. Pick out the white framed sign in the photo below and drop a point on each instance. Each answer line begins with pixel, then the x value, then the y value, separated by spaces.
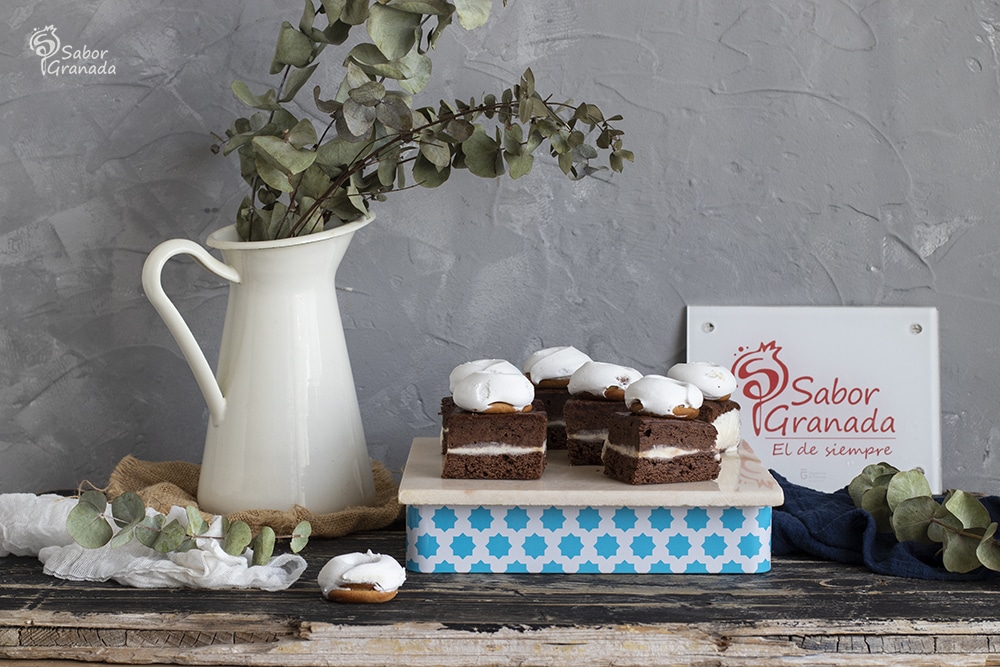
pixel 825 391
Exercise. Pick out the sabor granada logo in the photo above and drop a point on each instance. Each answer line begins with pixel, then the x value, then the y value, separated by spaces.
pixel 794 411
pixel 59 59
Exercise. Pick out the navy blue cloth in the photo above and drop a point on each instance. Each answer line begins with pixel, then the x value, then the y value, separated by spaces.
pixel 829 526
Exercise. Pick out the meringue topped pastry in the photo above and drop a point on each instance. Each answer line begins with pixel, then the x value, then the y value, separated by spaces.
pixel 660 396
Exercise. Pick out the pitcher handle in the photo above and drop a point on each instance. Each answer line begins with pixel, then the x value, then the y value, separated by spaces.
pixel 193 354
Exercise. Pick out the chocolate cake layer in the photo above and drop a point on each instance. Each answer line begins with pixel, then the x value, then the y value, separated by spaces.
pixel 698 467
pixel 485 446
pixel 587 428
pixel 642 433
pixel 554 399
pixel 660 450
pixel 495 466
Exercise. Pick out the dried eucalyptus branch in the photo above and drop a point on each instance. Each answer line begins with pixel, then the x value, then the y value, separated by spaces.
pixel 375 141
pixel 902 503
pixel 88 524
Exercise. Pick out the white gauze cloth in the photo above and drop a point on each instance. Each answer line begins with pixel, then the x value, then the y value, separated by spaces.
pixel 33 525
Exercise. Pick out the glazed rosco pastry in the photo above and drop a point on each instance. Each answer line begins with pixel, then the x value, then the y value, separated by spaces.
pixel 658 440
pixel 597 391
pixel 717 384
pixel 550 369
pixel 361 578
pixel 491 426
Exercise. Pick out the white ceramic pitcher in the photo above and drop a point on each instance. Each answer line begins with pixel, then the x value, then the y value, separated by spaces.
pixel 285 426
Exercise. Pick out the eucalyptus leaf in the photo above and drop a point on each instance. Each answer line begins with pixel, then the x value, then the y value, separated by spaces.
pixel 284 154
pixel 358 117
pixel 128 508
pixel 472 13
pixel 393 31
pixel 912 517
pixel 294 48
pixel 368 94
pixel 355 12
pixel 148 530
pixel 86 522
pixel 416 68
pixel 960 552
pixel 373 62
pixel 874 502
pixel 519 165
pixel 906 485
pixel 427 174
pixel 435 150
pixel 394 113
pixel 271 174
pixel 988 551
pixel 300 536
pixel 297 79
pixel 196 522
pixel 263 546
pixel 302 135
pixel 124 535
pixel 170 537
pixel 332 8
pixel 237 538
pixel 481 152
pixel 969 510
pixel 268 101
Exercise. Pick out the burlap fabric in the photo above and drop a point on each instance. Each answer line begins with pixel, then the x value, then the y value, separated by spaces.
pixel 162 485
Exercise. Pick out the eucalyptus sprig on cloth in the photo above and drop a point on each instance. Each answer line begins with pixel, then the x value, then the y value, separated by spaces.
pixel 902 503
pixel 371 140
pixel 89 526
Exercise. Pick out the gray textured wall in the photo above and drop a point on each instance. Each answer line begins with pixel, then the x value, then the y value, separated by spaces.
pixel 788 152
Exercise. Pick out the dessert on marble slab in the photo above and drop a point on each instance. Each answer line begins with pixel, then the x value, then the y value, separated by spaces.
pixel 597 391
pixel 549 370
pixel 717 384
pixel 659 440
pixel 492 427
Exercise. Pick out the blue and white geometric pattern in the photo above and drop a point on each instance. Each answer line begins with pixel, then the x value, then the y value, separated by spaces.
pixel 588 539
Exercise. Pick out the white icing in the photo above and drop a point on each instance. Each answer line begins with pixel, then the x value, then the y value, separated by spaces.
pixel 478 390
pixel 713 380
pixel 728 426
pixel 462 371
pixel 594 377
pixel 660 395
pixel 382 572
pixel 659 452
pixel 553 363
pixel 493 449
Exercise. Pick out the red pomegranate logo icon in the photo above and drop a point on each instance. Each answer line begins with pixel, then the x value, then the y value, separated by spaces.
pixel 763 376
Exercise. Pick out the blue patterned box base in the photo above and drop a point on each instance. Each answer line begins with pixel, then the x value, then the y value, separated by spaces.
pixel 588 539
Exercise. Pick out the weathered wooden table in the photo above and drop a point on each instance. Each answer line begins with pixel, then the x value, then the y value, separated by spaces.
pixel 803 612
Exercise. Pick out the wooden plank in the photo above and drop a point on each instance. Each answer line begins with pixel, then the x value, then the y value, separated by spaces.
pixel 802 612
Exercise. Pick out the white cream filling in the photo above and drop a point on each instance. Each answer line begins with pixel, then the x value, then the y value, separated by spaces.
pixel 494 449
pixel 659 452
pixel 589 436
pixel 728 426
